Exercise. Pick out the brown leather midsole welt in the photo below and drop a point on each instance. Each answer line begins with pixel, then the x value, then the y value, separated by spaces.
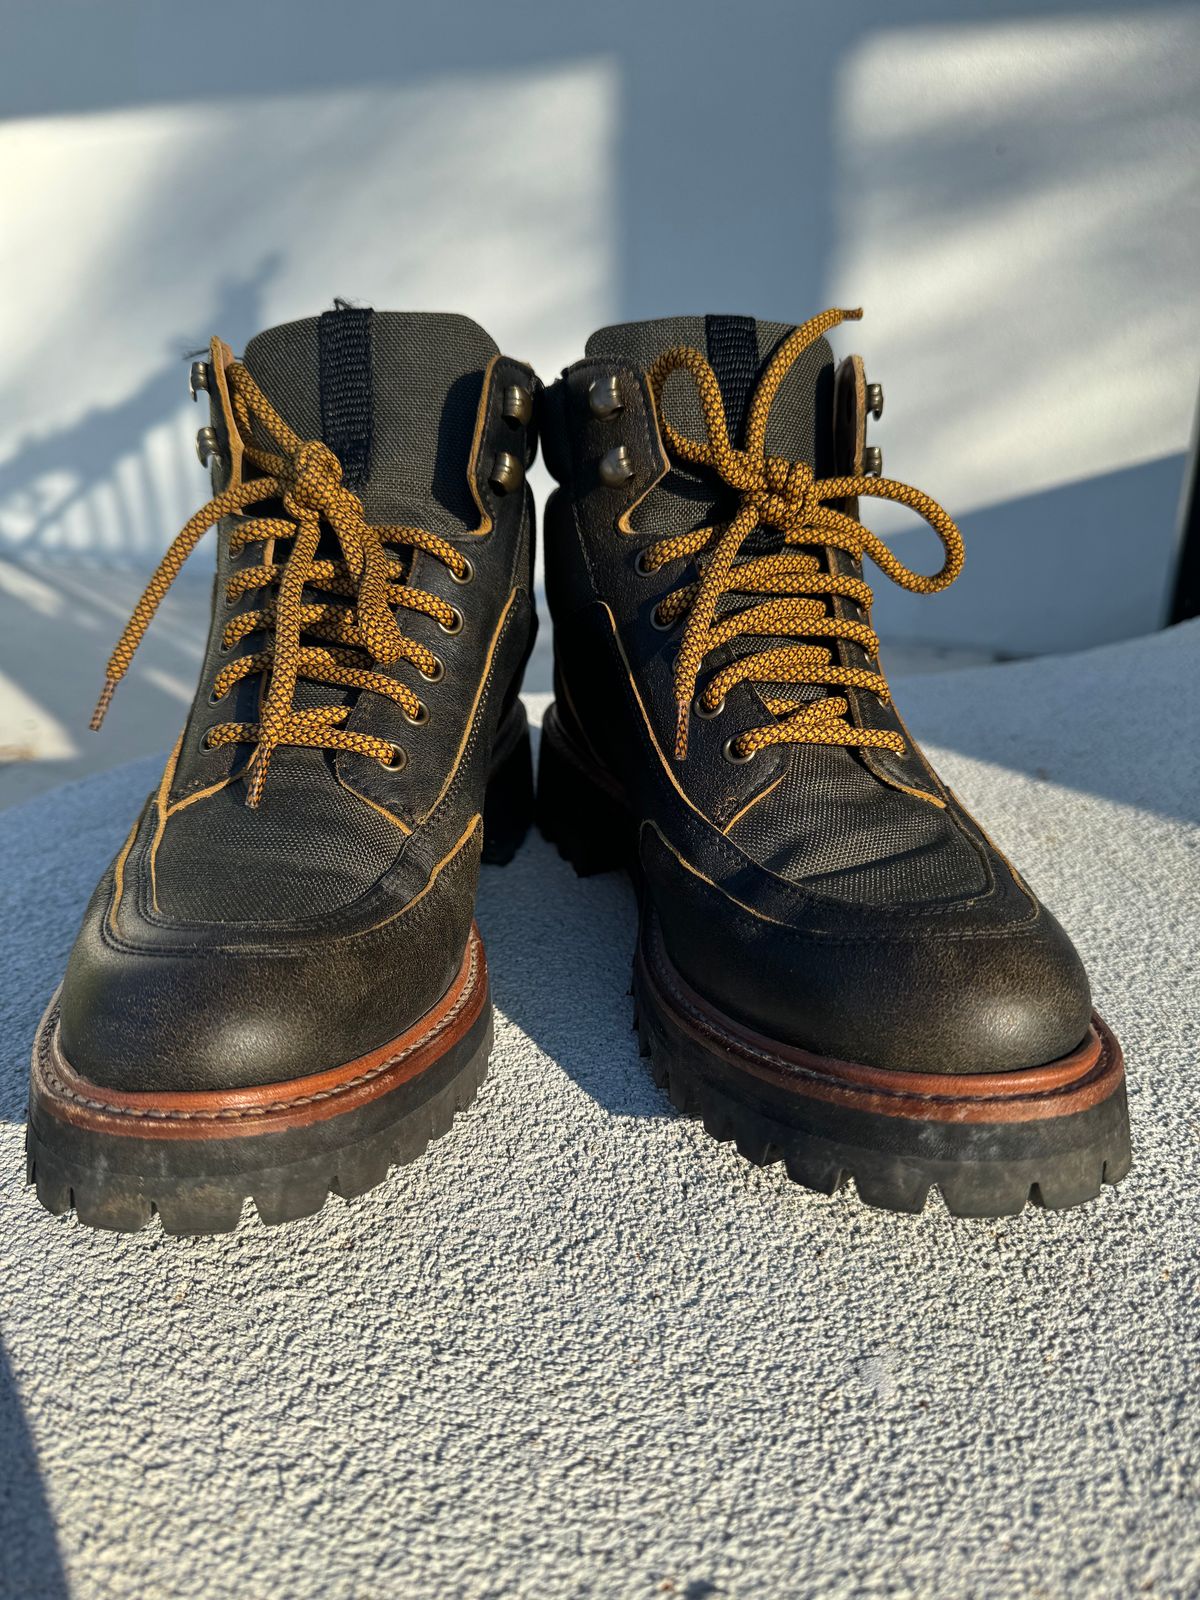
pixel 1075 1082
pixel 228 1113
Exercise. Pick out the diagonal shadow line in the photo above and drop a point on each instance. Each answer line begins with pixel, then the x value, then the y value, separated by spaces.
pixel 31 1566
pixel 88 451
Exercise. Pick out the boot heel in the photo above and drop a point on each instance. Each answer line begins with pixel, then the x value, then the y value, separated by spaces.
pixel 508 802
pixel 590 827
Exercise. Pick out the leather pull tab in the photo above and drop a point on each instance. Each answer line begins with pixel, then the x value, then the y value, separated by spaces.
pixel 221 358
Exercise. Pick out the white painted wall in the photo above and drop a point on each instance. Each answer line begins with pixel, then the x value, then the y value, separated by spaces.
pixel 1010 190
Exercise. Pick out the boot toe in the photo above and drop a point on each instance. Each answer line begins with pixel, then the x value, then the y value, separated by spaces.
pixel 930 1001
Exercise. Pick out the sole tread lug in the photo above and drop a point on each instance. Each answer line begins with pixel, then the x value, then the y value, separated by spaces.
pixel 812 1170
pixel 972 1187
pixel 977 1193
pixel 288 1202
pixel 199 1208
pixel 118 1212
pixel 53 1191
pixel 901 1190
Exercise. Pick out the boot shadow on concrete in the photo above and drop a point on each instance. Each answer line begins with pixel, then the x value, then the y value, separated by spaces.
pixel 560 952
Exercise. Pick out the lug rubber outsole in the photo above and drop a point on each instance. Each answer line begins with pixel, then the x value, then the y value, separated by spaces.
pixel 120 1159
pixel 280 1190
pixel 828 1132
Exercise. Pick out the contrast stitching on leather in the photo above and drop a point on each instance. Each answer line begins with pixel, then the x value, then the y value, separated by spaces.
pixel 279 950
pixel 653 441
pixel 663 975
pixel 119 873
pixel 163 810
pixel 202 794
pixel 993 846
pixel 241 1113
pixel 486 521
pixel 480 691
pixel 460 843
pixel 815 902
pixel 752 802
pixel 789 589
pixel 814 898
pixel 383 811
pixel 704 878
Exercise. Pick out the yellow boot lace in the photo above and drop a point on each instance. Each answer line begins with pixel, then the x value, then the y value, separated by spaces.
pixel 357 627
pixel 785 495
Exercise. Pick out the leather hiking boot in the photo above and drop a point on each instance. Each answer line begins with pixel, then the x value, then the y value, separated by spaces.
pixel 278 989
pixel 835 967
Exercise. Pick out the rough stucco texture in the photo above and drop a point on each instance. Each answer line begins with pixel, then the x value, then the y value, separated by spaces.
pixel 580 1349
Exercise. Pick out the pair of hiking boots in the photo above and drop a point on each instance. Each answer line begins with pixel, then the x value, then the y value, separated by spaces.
pixel 279 990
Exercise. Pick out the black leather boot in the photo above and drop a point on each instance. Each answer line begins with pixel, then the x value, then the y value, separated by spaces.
pixel 835 966
pixel 278 989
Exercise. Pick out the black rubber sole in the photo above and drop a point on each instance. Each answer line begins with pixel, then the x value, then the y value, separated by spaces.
pixel 981 1168
pixel 200 1186
pixel 121 1183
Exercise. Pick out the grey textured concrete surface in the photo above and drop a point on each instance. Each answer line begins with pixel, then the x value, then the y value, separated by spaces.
pixel 580 1349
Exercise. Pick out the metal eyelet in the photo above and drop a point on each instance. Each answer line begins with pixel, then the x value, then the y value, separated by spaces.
pixel 215 699
pixel 468 572
pixel 397 762
pixel 208 445
pixel 421 718
pixel 507 473
pixel 604 397
pixel 616 467
pixel 517 405
pixel 640 567
pixel 438 673
pixel 708 712
pixel 657 622
pixel 730 754
pixel 456 626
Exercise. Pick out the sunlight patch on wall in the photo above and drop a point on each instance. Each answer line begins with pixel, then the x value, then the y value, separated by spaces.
pixel 132 236
pixel 1017 209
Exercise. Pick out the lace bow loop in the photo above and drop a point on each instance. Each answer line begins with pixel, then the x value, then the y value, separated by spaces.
pixel 775 492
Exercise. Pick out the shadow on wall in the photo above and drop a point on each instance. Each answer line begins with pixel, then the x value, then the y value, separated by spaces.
pixel 375 193
pixel 109 485
pixel 30 1565
pixel 1085 558
pixel 1012 197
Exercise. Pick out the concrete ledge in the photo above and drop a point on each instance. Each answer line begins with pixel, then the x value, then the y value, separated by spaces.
pixel 580 1350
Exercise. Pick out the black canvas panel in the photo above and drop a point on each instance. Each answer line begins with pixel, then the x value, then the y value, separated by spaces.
pixel 427 371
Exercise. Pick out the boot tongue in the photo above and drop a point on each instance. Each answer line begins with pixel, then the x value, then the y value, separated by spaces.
pixel 394 394
pixel 799 426
pixel 738 349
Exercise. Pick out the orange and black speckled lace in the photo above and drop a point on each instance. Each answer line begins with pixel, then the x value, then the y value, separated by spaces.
pixel 355 630
pixel 781 494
